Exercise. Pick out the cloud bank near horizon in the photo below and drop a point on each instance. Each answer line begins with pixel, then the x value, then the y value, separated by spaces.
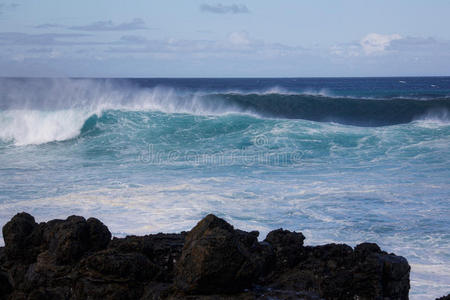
pixel 238 52
pixel 223 38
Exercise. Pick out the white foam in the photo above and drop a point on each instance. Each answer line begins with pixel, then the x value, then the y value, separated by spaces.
pixel 321 93
pixel 283 91
pixel 25 127
pixel 434 118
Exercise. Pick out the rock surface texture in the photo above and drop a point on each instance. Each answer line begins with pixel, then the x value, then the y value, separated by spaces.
pixel 76 259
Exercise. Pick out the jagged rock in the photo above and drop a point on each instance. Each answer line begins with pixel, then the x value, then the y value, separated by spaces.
pixel 57 293
pixel 47 273
pixel 161 249
pixel 2 256
pixel 5 286
pixel 395 276
pixel 365 249
pixel 287 246
pixel 444 297
pixel 339 272
pixel 110 265
pixel 75 259
pixel 68 240
pixel 367 270
pixel 21 239
pixel 99 235
pixel 217 259
pixel 114 275
pixel 378 273
pixel 325 270
pixel 86 289
pixel 124 270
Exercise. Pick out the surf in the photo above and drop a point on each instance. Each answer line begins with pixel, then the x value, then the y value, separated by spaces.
pixel 37 111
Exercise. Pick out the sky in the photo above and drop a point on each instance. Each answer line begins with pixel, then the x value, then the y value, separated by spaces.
pixel 201 38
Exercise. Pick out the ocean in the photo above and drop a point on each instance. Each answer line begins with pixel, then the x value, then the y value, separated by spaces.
pixel 342 160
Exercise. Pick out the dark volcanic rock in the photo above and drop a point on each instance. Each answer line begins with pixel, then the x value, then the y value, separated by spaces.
pixel 5 286
pixel 2 256
pixel 287 246
pixel 99 235
pixel 21 238
pixel 114 275
pixel 218 259
pixel 380 273
pixel 110 265
pixel 163 250
pixel 68 240
pixel 339 272
pixel 75 259
pixel 395 276
pixel 444 297
pixel 325 270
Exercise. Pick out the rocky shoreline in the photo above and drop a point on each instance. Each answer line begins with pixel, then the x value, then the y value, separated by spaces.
pixel 77 259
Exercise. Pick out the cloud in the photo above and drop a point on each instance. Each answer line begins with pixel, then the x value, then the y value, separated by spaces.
pixel 133 39
pixel 225 9
pixel 236 54
pixel 346 50
pixel 20 39
pixel 7 6
pixel 236 44
pixel 48 25
pixel 135 24
pixel 375 43
pixel 240 38
pixel 417 44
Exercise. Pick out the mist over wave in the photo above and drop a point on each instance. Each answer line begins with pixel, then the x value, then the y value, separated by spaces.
pixel 35 111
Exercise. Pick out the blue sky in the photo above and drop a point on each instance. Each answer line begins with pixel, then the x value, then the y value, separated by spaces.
pixel 256 38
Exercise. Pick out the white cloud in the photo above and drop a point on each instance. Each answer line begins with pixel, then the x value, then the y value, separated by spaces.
pixel 349 50
pixel 135 24
pixel 240 38
pixel 375 43
pixel 225 9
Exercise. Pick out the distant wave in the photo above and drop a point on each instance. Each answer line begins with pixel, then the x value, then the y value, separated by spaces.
pixel 349 111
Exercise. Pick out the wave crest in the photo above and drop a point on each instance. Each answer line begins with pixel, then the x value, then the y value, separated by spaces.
pixel 28 127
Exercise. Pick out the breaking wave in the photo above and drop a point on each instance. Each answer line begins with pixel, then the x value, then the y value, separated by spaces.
pixel 44 110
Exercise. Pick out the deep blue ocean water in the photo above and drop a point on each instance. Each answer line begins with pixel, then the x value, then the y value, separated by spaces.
pixel 340 159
